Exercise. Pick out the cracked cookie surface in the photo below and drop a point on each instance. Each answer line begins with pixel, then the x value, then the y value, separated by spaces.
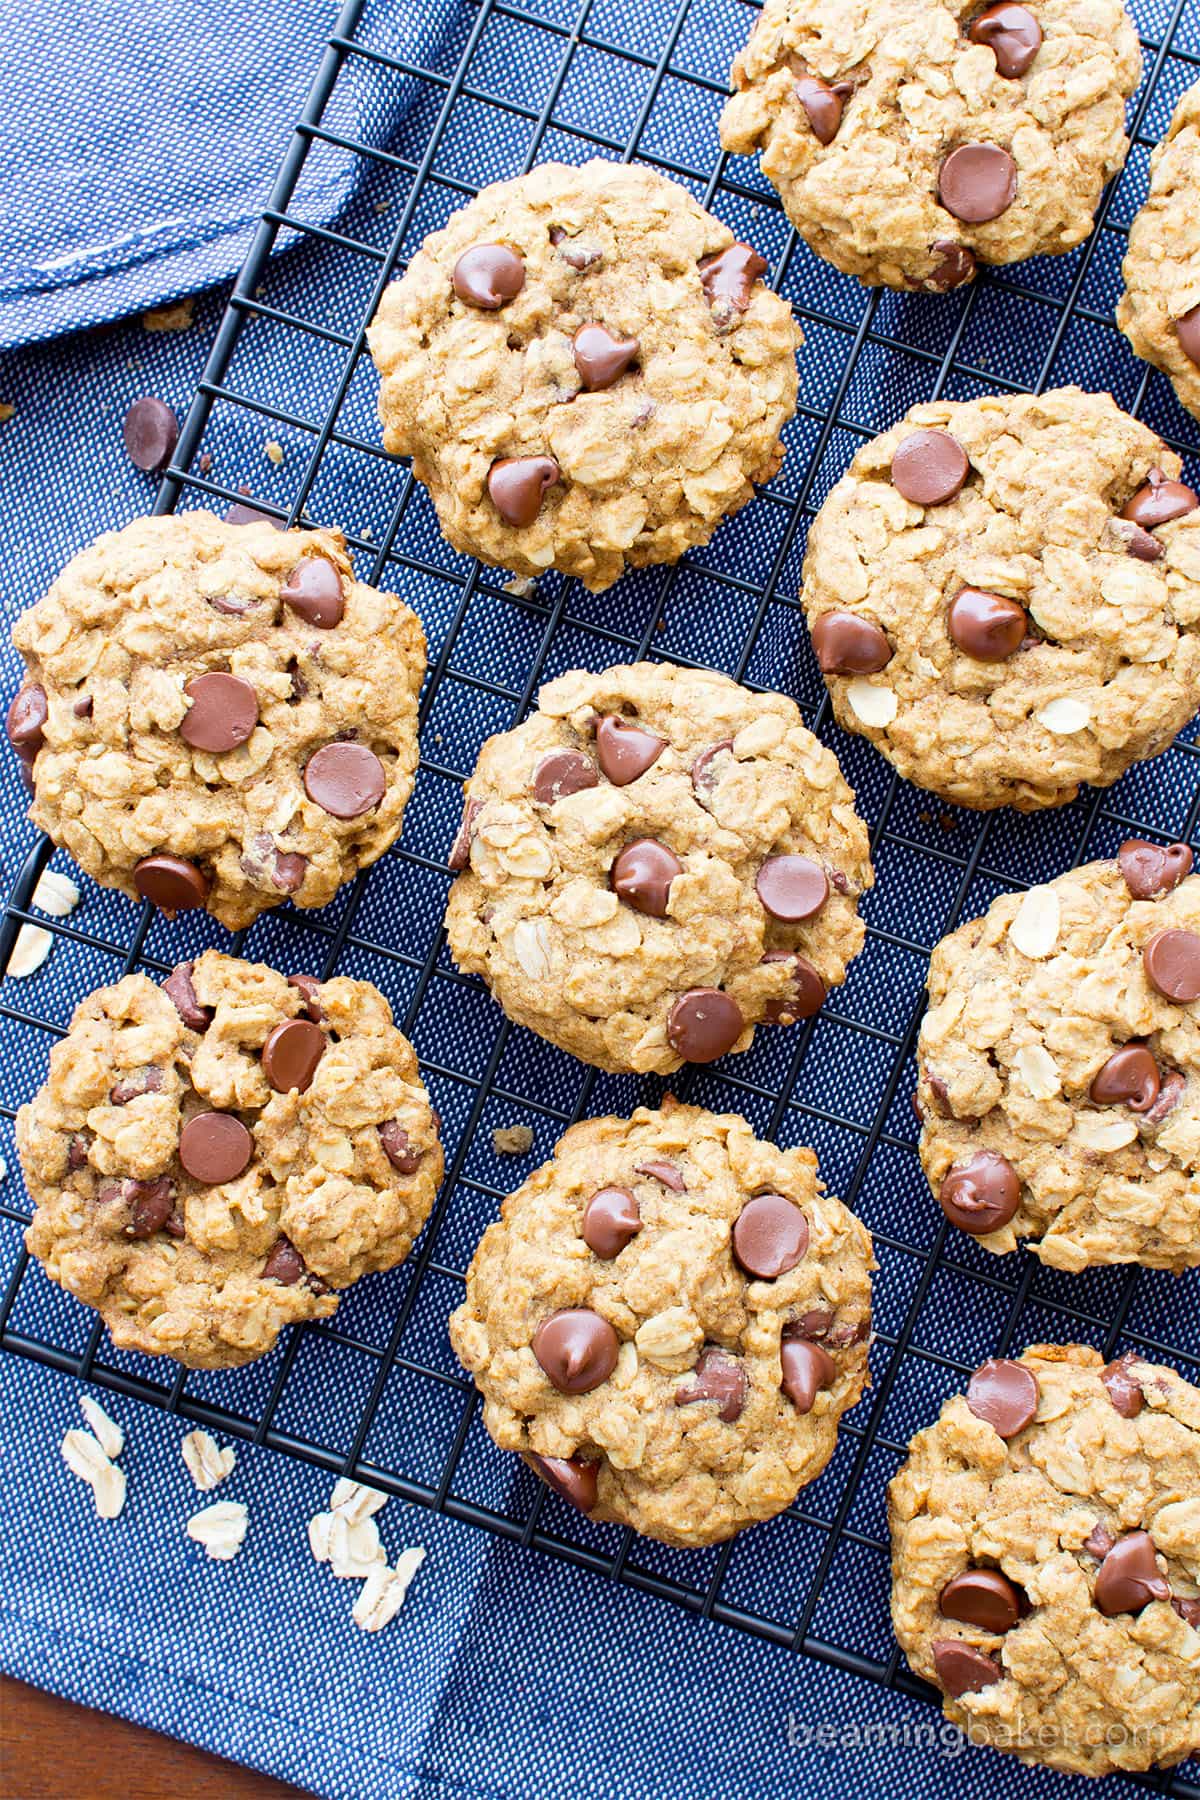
pixel 218 715
pixel 1046 1560
pixel 586 370
pixel 212 1159
pixel 1059 1066
pixel 911 140
pixel 1004 596
pixel 655 862
pixel 668 1321
pixel 1159 312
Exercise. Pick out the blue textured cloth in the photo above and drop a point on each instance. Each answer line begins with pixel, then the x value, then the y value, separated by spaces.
pixel 507 1673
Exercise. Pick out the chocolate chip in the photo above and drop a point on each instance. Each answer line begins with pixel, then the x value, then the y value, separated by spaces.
pixel 1138 543
pixel 929 467
pixel 1159 502
pixel 1129 1077
pixel 131 1087
pixel 1012 34
pixel 240 514
pixel 611 1219
pixel 460 849
pixel 720 1377
pixel 576 1350
pixel 704 776
pixel 792 888
pixel 344 780
pixel 957 266
pixel 174 1225
pixel 562 772
pixel 982 1194
pixel 288 870
pixel 1099 1541
pixel 822 104
pixel 313 590
pixel 1187 329
pixel 666 1172
pixel 517 485
pixel 624 750
pixel 814 1324
pixel 1172 963
pixel 770 1236
pixel 77 1153
pixel 806 1370
pixel 284 1263
pixel 703 1024
pixel 983 1598
pixel 178 987
pixel 642 875
pixel 310 987
pixel 404 1156
pixel 1152 870
pixel 151 1204
pixel 171 883
pixel 82 708
pixel 1122 1386
pixel 1188 1610
pixel 600 357
pixel 488 276
pixel 1004 1395
pixel 844 644
pixel 26 718
pixel 1129 1578
pixel 962 1670
pixel 986 626
pixel 291 1054
pixel 572 1480
pixel 1169 1096
pixel 728 278
pixel 215 1147
pixel 151 434
pixel 804 998
pixel 222 714
pixel 977 182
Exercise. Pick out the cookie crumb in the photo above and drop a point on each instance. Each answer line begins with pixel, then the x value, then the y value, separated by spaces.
pixel 177 316
pixel 206 463
pixel 512 1140
pixel 273 452
pixel 7 409
pixel 523 587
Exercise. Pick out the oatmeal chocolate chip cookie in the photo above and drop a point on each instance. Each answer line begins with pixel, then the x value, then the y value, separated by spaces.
pixel 1004 596
pixel 211 1159
pixel 668 1321
pixel 1159 312
pixel 912 139
pixel 218 715
pixel 1060 1066
pixel 586 370
pixel 654 863
pixel 1046 1560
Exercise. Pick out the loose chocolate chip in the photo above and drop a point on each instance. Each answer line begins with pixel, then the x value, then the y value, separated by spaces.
pixel 151 434
pixel 642 875
pixel 1123 1387
pixel 171 883
pixel 215 1147
pixel 517 485
pixel 728 277
pixel 822 104
pixel 313 590
pixel 1129 1578
pixel 977 182
pixel 562 772
pixel 284 1263
pixel 240 514
pixel 310 987
pixel 806 1370
pixel 611 1219
pixel 572 1480
pixel 624 750
pixel 792 888
pixel 770 1236
pixel 344 780
pixel 404 1156
pixel 488 276
pixel 1152 870
pixel 1169 1096
pixel 291 1054
pixel 178 987
pixel 929 467
pixel 1172 963
pixel 666 1172
pixel 288 870
pixel 720 1377
pixel 804 998
pixel 222 714
pixel 704 775
pixel 1099 1541
pixel 1159 502
pixel 981 1597
pixel 703 1024
pixel 151 1204
pixel 982 1194
pixel 1188 1610
pixel 26 718
pixel 1012 34
pixel 962 1670
pixel 986 626
pixel 1004 1395
pixel 1187 329
pixel 844 644
pixel 1129 1077
pixel 130 1087
pixel 576 1349
pixel 460 849
pixel 957 266
pixel 600 357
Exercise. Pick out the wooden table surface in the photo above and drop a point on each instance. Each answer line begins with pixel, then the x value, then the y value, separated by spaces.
pixel 51 1749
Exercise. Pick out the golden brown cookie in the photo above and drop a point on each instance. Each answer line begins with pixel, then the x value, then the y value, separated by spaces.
pixel 1159 312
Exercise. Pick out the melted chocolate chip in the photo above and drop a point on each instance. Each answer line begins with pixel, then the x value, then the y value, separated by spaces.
pixel 1160 501
pixel 404 1156
pixel 562 772
pixel 488 276
pixel 1128 1579
pixel 284 1263
pixel 344 780
pixel 986 626
pixel 1129 1077
pixel 310 988
pixel 291 1054
pixel 981 1194
pixel 130 1087
pixel 844 644
pixel 661 1170
pixel 151 1204
pixel 215 1147
pixel 1012 34
pixel 1004 1395
pixel 517 485
pixel 955 267
pixel 1171 960
pixel 571 1479
pixel 624 750
pixel 792 888
pixel 222 714
pixel 576 1350
pixel 1152 870
pixel 1187 330
pixel 770 1236
pixel 703 1024
pixel 313 591
pixel 171 883
pixel 977 182
pixel 806 1369
pixel 178 986
pixel 612 1218
pixel 642 875
pixel 983 1598
pixel 25 721
pixel 728 279
pixel 600 357
pixel 704 775
pixel 929 467
pixel 805 995
pixel 823 106
pixel 962 1670
pixel 720 1377
pixel 1122 1386
pixel 460 849
pixel 1170 1093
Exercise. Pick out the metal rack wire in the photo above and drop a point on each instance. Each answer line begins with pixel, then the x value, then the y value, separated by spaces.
pixel 879 351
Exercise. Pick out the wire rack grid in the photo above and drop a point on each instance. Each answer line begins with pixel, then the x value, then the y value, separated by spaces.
pixel 380 1395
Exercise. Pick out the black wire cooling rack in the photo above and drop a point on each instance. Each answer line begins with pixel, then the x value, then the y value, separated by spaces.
pixel 1016 330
